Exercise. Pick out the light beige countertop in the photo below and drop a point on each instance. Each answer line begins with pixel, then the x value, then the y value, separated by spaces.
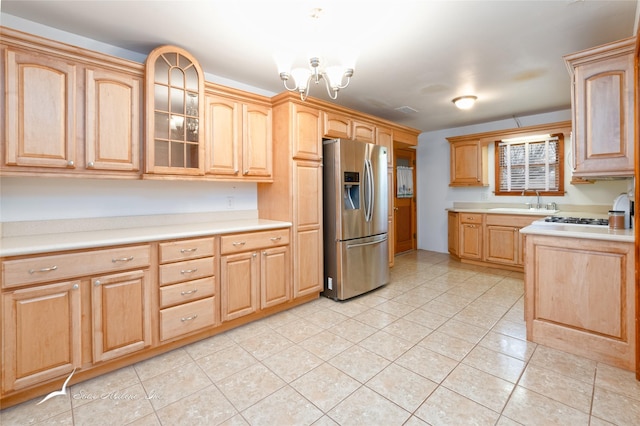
pixel 51 236
pixel 555 230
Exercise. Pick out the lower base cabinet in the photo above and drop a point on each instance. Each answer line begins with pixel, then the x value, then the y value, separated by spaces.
pixel 579 297
pixel 257 277
pixel 42 333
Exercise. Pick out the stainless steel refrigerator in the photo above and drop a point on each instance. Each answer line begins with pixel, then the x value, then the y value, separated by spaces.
pixel 356 250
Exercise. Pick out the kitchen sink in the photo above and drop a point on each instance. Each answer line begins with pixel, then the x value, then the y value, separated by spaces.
pixel 523 210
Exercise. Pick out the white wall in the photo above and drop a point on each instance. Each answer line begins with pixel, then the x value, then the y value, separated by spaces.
pixel 434 194
pixel 34 198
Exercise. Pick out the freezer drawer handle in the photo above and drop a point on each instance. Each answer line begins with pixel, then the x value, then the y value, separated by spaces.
pixel 367 244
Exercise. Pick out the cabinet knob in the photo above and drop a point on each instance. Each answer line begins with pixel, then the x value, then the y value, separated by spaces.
pixel 264 253
pixel 70 163
pixel 255 254
pixel 246 172
pixel 97 283
pixel 236 171
pixel 75 286
pixel 90 164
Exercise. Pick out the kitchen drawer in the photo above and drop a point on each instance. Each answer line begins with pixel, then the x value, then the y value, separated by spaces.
pixel 63 266
pixel 518 221
pixel 186 249
pixel 188 317
pixel 470 218
pixel 253 240
pixel 186 271
pixel 186 292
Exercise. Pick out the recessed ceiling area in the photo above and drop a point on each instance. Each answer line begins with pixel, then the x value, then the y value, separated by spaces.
pixel 407 54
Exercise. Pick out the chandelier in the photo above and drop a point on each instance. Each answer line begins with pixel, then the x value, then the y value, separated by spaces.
pixel 335 78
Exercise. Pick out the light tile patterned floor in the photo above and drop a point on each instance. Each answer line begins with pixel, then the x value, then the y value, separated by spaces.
pixel 442 344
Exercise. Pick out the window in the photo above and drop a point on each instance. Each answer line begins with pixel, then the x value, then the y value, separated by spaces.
pixel 530 164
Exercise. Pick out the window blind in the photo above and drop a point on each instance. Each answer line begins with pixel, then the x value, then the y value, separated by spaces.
pixel 530 165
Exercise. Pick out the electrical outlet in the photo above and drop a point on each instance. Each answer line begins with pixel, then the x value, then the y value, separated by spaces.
pixel 230 203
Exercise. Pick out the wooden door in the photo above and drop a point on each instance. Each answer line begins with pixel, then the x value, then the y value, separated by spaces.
pixel 121 314
pixel 275 287
pixel 257 152
pixel 223 132
pixel 404 206
pixel 41 334
pixel 40 111
pixel 239 285
pixel 113 120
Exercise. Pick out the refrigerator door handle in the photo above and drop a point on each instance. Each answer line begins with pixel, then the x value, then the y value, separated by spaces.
pixel 367 244
pixel 368 192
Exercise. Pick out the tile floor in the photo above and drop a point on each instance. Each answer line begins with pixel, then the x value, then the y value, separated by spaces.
pixel 442 344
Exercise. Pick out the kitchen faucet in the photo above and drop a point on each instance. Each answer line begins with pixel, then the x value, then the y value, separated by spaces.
pixel 538 205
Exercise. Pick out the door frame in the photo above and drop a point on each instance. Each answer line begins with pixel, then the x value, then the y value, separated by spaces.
pixel 402 151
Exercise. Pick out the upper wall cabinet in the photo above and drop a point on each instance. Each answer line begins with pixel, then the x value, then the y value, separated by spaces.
pixel 603 110
pixel 238 139
pixel 468 162
pixel 175 89
pixel 69 111
pixel 40 110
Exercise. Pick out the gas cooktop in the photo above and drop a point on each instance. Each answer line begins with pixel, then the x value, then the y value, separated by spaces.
pixel 576 221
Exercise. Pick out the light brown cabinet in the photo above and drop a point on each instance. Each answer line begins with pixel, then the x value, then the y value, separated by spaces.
pixel 453 233
pixel 238 139
pixel 502 240
pixel 113 127
pixel 470 245
pixel 187 279
pixel 69 114
pixel 121 314
pixel 174 111
pixel 363 131
pixel 41 110
pixel 468 162
pixel 579 297
pixel 603 110
pixel 55 306
pixel 254 272
pixel 42 333
pixel 336 125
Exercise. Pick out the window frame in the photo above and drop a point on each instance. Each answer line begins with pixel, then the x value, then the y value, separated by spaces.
pixel 556 193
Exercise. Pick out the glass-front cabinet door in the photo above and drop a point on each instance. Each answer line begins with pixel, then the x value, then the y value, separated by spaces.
pixel 175 88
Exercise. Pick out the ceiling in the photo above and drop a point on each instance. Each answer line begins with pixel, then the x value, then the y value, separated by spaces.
pixel 406 53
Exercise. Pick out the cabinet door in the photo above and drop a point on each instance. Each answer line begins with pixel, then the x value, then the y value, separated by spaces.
pixel 257 146
pixel 501 244
pixel 223 132
pixel 471 241
pixel 113 120
pixel 468 164
pixel 308 242
pixel 275 286
pixel 384 137
pixel 604 114
pixel 363 132
pixel 41 334
pixel 336 125
pixel 239 285
pixel 40 111
pixel 307 136
pixel 121 309
pixel 453 233
pixel 174 111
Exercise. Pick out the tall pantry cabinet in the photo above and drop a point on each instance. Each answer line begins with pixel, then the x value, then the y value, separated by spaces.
pixel 296 192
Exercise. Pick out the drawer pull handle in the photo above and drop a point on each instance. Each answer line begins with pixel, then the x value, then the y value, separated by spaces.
pixel 276 238
pixel 185 293
pixel 189 250
pixel 52 268
pixel 240 243
pixel 122 259
pixel 188 271
pixel 191 318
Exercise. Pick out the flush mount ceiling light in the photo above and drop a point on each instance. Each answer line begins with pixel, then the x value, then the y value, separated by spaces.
pixel 464 102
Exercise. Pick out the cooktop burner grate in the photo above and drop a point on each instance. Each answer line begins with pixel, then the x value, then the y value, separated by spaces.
pixel 577 220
